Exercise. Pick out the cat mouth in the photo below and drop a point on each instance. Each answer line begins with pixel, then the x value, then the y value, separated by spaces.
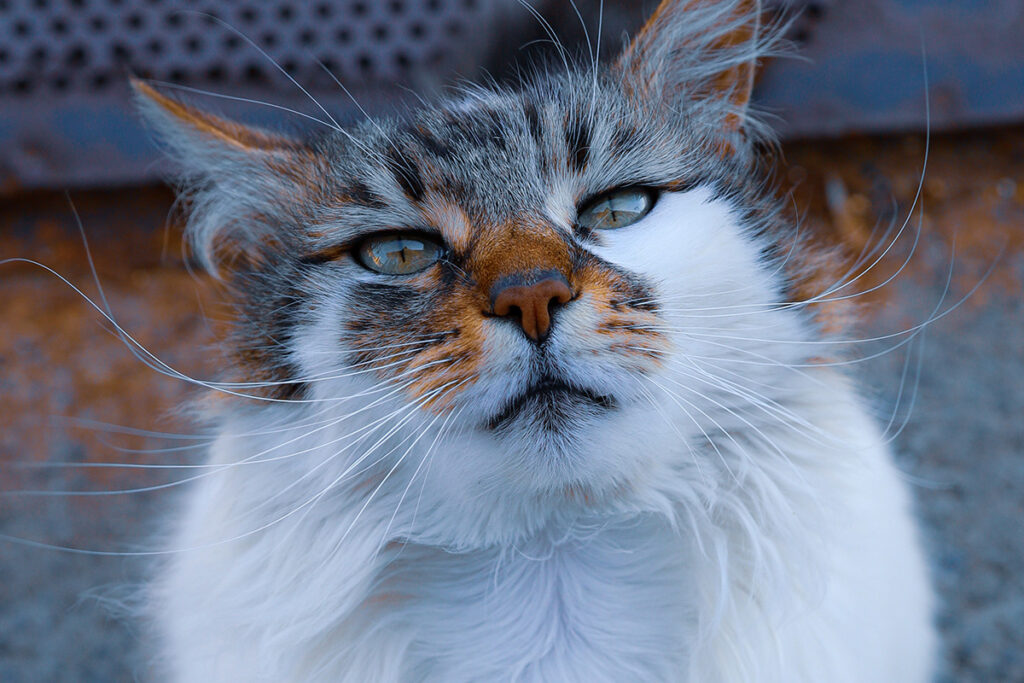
pixel 552 404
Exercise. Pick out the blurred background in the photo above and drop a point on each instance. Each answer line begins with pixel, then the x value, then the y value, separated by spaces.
pixel 850 106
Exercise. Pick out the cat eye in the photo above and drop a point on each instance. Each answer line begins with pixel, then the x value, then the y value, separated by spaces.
pixel 399 253
pixel 616 209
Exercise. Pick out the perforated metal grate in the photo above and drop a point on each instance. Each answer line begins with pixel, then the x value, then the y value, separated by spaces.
pixel 66 119
pixel 75 46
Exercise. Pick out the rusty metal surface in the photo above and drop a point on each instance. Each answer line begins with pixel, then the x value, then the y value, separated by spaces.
pixel 961 449
pixel 862 67
pixel 66 120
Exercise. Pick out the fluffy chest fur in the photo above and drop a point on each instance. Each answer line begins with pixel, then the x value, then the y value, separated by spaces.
pixel 601 598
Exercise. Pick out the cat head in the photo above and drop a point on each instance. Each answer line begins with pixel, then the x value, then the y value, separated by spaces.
pixel 558 271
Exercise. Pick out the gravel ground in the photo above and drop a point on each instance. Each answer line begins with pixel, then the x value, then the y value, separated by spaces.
pixel 962 448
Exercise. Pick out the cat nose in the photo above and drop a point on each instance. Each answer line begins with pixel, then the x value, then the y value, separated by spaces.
pixel 530 299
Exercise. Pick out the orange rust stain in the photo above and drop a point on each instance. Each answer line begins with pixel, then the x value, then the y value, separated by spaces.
pixel 58 357
pixel 972 199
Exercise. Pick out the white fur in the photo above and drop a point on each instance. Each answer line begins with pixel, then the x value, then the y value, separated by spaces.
pixel 782 551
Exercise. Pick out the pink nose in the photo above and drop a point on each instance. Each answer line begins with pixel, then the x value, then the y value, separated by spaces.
pixel 529 299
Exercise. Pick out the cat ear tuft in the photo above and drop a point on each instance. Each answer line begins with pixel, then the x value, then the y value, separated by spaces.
pixel 240 183
pixel 704 50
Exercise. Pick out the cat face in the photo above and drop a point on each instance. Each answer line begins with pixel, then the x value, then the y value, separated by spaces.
pixel 530 266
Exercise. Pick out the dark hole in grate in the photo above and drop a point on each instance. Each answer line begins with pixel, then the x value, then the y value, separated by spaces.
pixel 814 11
pixel 77 57
pixel 328 63
pixel 253 73
pixel 216 74
pixel 82 45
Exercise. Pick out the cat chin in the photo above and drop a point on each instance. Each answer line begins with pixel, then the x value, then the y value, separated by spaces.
pixel 596 451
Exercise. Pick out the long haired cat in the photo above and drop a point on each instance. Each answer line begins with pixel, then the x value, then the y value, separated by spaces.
pixel 535 384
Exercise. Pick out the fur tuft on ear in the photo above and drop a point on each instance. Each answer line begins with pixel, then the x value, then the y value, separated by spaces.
pixel 703 50
pixel 238 183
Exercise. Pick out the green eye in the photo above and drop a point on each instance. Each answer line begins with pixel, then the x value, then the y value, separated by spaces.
pixel 399 254
pixel 616 209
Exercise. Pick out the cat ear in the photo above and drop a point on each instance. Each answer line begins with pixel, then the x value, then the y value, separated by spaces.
pixel 236 180
pixel 190 122
pixel 705 50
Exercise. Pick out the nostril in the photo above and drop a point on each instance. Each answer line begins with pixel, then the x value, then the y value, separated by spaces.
pixel 503 307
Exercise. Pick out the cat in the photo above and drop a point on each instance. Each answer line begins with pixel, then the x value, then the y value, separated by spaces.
pixel 535 384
